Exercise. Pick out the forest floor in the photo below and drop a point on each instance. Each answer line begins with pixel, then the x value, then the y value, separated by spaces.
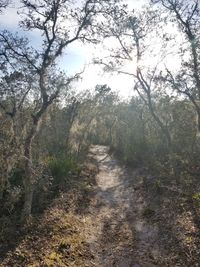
pixel 111 217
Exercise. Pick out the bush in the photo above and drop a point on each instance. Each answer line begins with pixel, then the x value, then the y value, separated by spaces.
pixel 148 212
pixel 61 169
pixel 16 178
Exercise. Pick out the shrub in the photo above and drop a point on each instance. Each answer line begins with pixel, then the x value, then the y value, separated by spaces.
pixel 148 212
pixel 61 169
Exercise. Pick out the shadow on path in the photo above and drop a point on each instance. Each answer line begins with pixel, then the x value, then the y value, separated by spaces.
pixel 118 234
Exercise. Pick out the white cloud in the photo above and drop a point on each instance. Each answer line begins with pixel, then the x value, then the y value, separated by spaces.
pixel 94 75
pixel 135 4
pixel 9 19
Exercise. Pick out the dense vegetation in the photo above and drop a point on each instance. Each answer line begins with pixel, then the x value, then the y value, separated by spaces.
pixel 47 126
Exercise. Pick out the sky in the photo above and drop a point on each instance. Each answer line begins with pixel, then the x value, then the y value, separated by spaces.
pixel 78 57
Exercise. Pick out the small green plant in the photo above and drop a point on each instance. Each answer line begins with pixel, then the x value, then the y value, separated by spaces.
pixel 158 183
pixel 17 176
pixel 61 168
pixel 196 197
pixel 148 212
pixel 158 186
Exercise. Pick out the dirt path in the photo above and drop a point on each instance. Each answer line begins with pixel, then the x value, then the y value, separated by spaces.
pixel 111 218
pixel 117 233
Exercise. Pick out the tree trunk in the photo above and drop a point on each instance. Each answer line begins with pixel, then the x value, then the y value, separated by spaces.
pixel 163 128
pixel 147 90
pixel 29 178
pixel 198 124
pixel 197 110
pixel 28 193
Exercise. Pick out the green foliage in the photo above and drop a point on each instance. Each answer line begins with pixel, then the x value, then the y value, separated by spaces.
pixel 148 212
pixel 196 197
pixel 61 168
pixel 17 177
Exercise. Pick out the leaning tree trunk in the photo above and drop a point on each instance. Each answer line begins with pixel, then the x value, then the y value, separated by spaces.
pixel 163 128
pixel 198 123
pixel 147 90
pixel 29 177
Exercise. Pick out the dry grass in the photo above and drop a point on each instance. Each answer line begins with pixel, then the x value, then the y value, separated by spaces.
pixel 56 238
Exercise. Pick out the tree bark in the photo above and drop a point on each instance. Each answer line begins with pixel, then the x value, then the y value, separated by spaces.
pixel 161 125
pixel 147 90
pixel 198 123
pixel 29 177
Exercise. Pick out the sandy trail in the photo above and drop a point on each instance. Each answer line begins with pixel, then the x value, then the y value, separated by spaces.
pixel 117 233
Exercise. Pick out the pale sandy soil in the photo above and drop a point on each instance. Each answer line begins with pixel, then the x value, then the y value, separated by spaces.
pixel 116 230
